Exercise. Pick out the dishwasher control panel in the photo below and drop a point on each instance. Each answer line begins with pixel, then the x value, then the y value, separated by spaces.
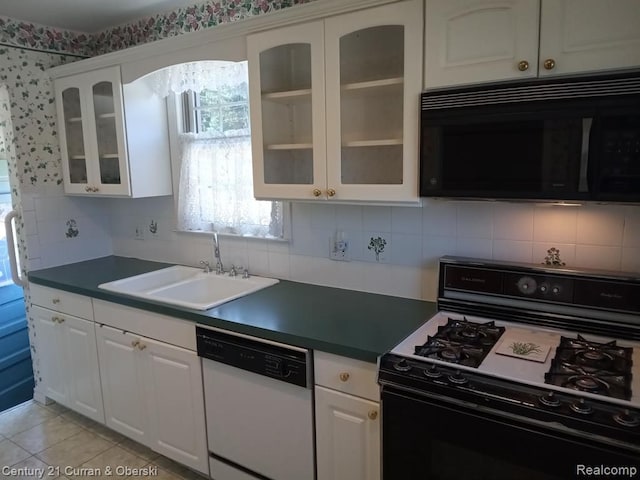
pixel 284 363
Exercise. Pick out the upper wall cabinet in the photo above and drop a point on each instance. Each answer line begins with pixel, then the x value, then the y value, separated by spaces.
pixel 113 137
pixel 473 41
pixel 334 106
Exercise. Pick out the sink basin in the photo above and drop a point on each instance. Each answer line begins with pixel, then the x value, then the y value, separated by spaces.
pixel 188 287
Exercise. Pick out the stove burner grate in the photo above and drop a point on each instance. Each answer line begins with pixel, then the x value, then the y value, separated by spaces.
pixel 600 368
pixel 461 341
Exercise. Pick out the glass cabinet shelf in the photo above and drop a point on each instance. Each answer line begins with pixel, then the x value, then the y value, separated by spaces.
pixel 106 115
pixel 383 83
pixel 373 143
pixel 74 119
pixel 288 95
pixel 289 146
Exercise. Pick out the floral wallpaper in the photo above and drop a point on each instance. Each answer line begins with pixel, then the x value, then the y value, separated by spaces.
pixel 162 25
pixel 28 134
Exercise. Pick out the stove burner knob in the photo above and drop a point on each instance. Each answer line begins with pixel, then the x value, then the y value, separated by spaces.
pixel 458 378
pixel 544 288
pixel 627 419
pixel 527 285
pixel 432 372
pixel 555 290
pixel 550 400
pixel 581 407
pixel 402 366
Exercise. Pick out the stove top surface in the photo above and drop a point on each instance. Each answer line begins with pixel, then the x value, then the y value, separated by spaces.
pixel 586 365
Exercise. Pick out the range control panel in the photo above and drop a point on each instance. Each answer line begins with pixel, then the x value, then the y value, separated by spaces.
pixel 540 283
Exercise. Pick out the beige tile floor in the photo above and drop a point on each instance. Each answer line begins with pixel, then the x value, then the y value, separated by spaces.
pixel 66 445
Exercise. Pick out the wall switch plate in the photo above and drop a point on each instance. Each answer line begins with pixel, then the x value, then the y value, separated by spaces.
pixel 339 250
pixel 139 233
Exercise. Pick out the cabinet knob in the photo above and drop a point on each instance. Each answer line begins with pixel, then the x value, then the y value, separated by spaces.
pixel 331 192
pixel 141 346
pixel 373 414
pixel 523 65
pixel 87 188
pixel 55 301
pixel 60 320
pixel 95 189
pixel 135 343
pixel 55 319
pixel 549 63
pixel 317 192
pixel 344 376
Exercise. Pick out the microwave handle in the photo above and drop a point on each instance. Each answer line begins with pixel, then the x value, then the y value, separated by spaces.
pixel 583 183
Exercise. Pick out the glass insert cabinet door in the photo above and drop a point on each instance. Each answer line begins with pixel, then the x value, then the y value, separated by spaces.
pixel 286 85
pixel 90 116
pixel 373 80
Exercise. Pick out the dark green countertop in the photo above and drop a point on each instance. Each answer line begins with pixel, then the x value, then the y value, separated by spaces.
pixel 344 322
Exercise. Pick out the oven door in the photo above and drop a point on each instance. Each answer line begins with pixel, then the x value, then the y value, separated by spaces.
pixel 441 439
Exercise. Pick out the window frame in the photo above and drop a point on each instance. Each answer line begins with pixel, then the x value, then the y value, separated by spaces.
pixel 178 113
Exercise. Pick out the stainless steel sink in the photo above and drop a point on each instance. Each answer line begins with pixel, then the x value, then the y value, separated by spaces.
pixel 188 287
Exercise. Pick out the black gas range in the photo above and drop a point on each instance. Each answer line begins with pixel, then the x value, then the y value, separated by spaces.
pixel 526 371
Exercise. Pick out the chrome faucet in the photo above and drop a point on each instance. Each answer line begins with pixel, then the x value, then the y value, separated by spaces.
pixel 216 254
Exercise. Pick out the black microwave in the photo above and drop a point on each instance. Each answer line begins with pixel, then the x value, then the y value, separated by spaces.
pixel 566 139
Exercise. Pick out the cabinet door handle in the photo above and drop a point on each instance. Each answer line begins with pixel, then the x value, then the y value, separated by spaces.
pixel 317 192
pixel 373 414
pixel 344 376
pixel 55 301
pixel 523 65
pixel 549 64
pixel 331 192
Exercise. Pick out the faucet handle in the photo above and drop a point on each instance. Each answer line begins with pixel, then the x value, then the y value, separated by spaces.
pixel 206 265
pixel 245 273
pixel 233 271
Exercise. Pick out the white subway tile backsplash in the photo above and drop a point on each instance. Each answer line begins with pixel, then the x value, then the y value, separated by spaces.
pixel 435 247
pixel 376 219
pixel 376 278
pixel 377 247
pixel 30 225
pixel 406 249
pixel 474 247
pixel 513 221
pixel 405 281
pixel 597 256
pixel 406 220
pixel 280 265
pixel 600 225
pixel 33 246
pixel 475 220
pixel 349 217
pixel 513 251
pixel 323 217
pixel 555 224
pixel 48 208
pixel 439 218
pixel 347 275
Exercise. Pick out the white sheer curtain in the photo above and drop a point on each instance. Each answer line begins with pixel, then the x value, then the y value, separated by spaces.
pixel 215 192
pixel 197 76
pixel 216 189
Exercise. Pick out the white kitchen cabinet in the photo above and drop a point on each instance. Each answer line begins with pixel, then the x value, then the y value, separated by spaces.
pixel 471 41
pixel 334 106
pixel 113 137
pixel 122 377
pixel 152 390
pixel 347 424
pixel 68 356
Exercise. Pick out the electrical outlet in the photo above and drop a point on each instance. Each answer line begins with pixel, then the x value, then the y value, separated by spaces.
pixel 339 250
pixel 139 234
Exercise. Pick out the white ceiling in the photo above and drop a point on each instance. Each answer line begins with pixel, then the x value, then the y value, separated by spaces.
pixel 88 16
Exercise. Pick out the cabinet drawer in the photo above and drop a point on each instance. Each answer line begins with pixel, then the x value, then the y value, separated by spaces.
pixel 346 375
pixel 153 325
pixel 60 301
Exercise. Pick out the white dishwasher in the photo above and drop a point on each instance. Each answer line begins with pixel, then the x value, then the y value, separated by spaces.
pixel 259 407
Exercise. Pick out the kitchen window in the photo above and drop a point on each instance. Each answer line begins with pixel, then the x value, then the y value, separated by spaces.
pixel 215 187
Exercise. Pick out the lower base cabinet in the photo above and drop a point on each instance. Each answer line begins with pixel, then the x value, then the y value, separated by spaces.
pixel 347 411
pixel 69 361
pixel 153 394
